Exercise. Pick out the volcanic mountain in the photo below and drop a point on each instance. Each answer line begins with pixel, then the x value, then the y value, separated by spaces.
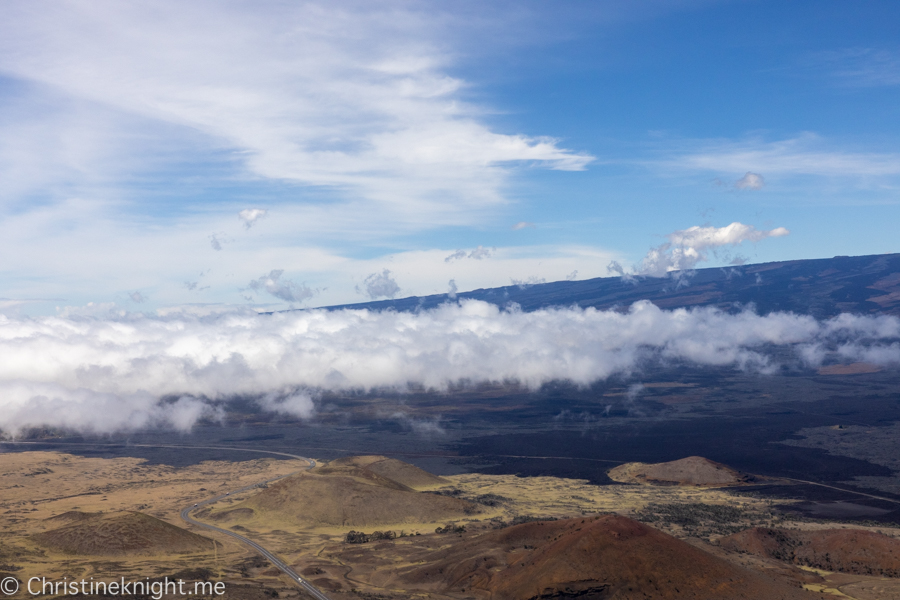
pixel 362 491
pixel 693 470
pixel 590 558
pixel 97 534
pixel 821 288
pixel 846 550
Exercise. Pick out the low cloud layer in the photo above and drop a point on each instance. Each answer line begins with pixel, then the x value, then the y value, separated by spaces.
pixel 133 371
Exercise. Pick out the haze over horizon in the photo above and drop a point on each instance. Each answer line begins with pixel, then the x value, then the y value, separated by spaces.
pixel 275 154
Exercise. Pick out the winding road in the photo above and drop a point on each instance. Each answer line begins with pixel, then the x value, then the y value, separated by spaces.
pixel 282 566
pixel 186 513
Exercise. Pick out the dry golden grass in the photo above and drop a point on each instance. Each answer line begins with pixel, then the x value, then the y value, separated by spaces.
pixel 117 534
pixel 35 486
pixel 403 473
pixel 355 492
pixel 38 485
pixel 557 496
pixel 693 470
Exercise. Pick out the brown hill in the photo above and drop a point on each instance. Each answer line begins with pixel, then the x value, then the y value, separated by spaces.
pixel 693 470
pixel 403 473
pixel 73 516
pixel 593 558
pixel 352 492
pixel 846 550
pixel 97 534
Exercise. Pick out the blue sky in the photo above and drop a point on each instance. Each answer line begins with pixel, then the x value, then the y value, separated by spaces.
pixel 274 154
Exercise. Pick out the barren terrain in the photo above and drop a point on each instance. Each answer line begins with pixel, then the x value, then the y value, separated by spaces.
pixel 52 502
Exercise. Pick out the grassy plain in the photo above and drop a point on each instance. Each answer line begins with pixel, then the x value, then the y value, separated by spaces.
pixel 35 486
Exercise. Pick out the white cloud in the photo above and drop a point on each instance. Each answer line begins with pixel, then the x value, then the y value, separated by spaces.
pixel 862 67
pixel 688 247
pixel 249 216
pixel 215 241
pixel 481 252
pixel 522 225
pixel 527 282
pixel 380 285
pixel 423 427
pixel 283 289
pixel 750 181
pixel 455 256
pixel 616 268
pixel 111 372
pixel 128 126
pixel 354 97
pixel 89 271
pixel 807 154
pixel 297 404
pixel 478 253
pixel 426 272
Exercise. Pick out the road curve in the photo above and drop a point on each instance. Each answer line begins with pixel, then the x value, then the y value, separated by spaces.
pixel 282 566
pixel 186 513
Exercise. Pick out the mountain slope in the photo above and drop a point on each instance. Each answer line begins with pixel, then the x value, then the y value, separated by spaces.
pixel 590 558
pixel 821 287
pixel 846 550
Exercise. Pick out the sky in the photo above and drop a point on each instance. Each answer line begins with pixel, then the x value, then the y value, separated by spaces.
pixel 161 155
pixel 170 170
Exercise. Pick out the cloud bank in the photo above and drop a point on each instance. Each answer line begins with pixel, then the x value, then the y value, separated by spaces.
pixel 134 371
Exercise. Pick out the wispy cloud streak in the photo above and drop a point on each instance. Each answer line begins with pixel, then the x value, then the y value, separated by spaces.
pixel 351 96
pixel 803 155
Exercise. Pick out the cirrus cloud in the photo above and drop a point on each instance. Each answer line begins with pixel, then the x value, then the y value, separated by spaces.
pixel 353 97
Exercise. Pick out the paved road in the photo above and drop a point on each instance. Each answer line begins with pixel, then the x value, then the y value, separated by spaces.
pixel 186 513
pixel 282 566
pixel 833 487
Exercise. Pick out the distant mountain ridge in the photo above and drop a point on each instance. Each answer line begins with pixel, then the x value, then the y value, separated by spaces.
pixel 819 287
